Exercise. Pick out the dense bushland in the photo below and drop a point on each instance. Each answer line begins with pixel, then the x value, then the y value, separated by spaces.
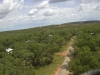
pixel 33 48
pixel 87 50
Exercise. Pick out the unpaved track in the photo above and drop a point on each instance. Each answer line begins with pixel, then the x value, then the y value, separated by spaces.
pixel 62 70
pixel 64 66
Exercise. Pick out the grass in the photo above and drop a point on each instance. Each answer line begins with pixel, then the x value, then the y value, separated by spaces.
pixel 65 46
pixel 49 70
pixel 58 60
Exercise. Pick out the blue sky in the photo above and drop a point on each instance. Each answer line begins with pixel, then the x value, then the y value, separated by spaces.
pixel 23 14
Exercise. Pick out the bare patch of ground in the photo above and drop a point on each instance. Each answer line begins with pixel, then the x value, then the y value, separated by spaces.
pixel 63 54
pixel 57 72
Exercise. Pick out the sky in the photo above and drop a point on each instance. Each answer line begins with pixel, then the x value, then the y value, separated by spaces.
pixel 23 14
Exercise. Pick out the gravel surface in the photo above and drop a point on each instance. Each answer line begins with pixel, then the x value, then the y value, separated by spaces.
pixel 64 66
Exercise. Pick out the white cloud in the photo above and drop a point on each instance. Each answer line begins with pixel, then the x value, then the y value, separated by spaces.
pixel 1 20
pixel 56 1
pixel 42 9
pixel 39 7
pixel 49 12
pixel 82 7
pixel 8 5
pixel 33 11
pixel 87 7
pixel 37 0
pixel 42 5
pixel 98 6
pixel 87 1
pixel 50 1
pixel 71 2
pixel 45 13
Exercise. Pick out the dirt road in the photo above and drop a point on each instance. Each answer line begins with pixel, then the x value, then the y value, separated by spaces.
pixel 64 66
pixel 62 70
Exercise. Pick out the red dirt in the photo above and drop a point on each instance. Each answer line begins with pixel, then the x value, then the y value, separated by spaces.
pixel 63 54
pixel 57 71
